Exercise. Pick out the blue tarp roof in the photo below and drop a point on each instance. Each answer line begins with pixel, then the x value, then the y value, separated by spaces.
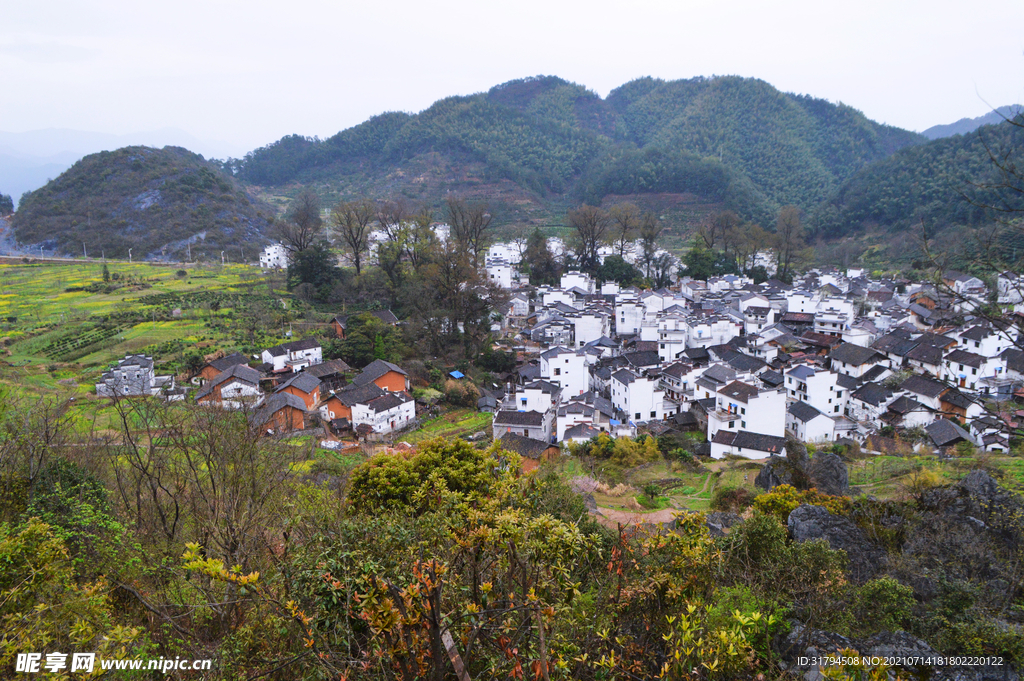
pixel 456 374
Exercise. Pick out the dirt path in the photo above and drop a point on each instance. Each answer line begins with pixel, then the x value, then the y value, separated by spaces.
pixel 610 517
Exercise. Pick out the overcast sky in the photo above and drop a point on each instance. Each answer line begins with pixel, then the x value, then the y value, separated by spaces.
pixel 248 73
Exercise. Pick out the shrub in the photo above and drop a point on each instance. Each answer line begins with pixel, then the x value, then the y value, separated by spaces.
pixel 731 499
pixel 461 393
pixel 443 472
pixel 781 501
pixel 882 604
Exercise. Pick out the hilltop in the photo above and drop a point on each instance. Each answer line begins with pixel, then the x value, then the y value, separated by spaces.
pixel 157 202
pixel 733 142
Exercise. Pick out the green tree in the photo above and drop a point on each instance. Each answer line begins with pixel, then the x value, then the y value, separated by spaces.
pixel 6 205
pixel 615 268
pixel 315 266
pixel 106 273
pixel 539 262
pixel 368 338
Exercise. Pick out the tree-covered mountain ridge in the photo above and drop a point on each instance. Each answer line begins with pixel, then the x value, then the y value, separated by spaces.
pixel 161 203
pixel 729 140
pixel 969 180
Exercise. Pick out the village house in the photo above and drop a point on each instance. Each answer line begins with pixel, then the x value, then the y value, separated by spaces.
pixel 304 386
pixel 217 366
pixel 566 369
pixel 532 452
pixel 133 376
pixel 742 406
pixel 385 375
pixel 749 445
pixel 639 397
pixel 807 424
pixel 279 413
pixel 384 414
pixel 233 388
pixel 293 356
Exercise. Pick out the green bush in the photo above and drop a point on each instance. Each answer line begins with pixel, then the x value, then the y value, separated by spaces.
pixel 734 499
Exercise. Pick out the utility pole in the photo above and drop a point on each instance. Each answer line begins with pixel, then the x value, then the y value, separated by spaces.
pixel 85 253
pixel 222 257
pixel 129 255
pixel 189 245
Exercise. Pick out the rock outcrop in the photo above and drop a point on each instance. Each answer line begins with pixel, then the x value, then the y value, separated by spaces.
pixel 865 557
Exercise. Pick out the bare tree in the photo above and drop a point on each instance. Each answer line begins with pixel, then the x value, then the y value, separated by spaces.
pixel 352 222
pixel 469 223
pixel 591 229
pixel 626 221
pixel 302 226
pixel 789 240
pixel 650 230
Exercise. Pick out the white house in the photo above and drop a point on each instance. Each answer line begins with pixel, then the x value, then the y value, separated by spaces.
pixel 577 280
pixel 589 325
pixel 499 273
pixel 967 370
pixel 639 397
pixel 749 445
pixel 274 256
pixel 386 413
pixel 854 360
pixel 740 406
pixel 817 387
pixel 294 356
pixel 629 317
pixel 232 388
pixel 807 424
pixel 566 369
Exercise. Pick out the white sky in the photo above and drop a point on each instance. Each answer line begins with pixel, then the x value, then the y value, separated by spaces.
pixel 248 73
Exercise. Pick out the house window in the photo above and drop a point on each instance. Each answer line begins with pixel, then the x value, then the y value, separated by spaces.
pixel 654 414
pixel 743 424
pixel 558 372
pixel 638 416
pixel 732 424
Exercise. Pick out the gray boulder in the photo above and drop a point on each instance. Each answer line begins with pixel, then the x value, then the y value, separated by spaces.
pixel 865 557
pixel 780 471
pixel 828 474
pixel 718 522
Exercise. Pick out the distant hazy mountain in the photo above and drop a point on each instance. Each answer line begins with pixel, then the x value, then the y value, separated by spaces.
pixel 29 159
pixel 966 125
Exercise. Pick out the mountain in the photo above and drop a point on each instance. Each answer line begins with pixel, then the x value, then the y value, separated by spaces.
pixel 966 125
pixel 949 182
pixel 735 142
pixel 28 160
pixel 158 202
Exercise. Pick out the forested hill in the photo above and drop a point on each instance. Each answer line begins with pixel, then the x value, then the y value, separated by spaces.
pixel 732 140
pixel 157 202
pixel 948 182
